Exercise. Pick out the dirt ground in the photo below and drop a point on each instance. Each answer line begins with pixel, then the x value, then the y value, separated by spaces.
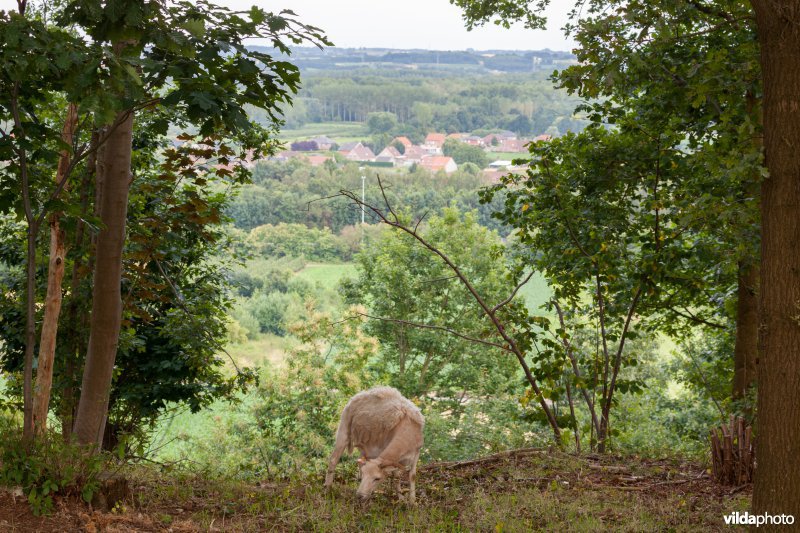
pixel 513 491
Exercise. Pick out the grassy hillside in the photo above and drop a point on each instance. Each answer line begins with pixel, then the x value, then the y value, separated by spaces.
pixel 327 275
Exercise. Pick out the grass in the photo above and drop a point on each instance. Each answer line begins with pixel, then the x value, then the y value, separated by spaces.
pixel 508 156
pixel 536 292
pixel 340 132
pixel 267 350
pixel 327 275
pixel 530 490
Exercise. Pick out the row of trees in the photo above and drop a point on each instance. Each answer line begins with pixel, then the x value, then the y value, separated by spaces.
pixel 293 193
pixel 419 104
pixel 131 219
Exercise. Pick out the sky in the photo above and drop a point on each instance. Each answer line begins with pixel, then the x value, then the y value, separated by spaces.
pixel 431 24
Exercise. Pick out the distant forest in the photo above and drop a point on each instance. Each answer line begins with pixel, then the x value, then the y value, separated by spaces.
pixel 435 91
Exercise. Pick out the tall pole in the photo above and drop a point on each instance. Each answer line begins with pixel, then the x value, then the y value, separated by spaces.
pixel 363 198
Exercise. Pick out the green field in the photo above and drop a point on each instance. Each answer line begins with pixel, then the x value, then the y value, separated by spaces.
pixel 327 275
pixel 535 292
pixel 507 156
pixel 340 132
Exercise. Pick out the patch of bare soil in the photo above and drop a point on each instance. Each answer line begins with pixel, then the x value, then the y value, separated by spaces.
pixel 599 472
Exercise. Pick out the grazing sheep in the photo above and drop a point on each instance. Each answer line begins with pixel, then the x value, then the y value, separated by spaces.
pixel 387 429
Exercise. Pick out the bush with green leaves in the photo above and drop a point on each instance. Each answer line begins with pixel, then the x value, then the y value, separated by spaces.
pixel 48 467
pixel 297 408
pixel 297 240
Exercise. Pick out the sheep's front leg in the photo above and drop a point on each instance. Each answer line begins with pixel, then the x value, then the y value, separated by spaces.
pixel 338 450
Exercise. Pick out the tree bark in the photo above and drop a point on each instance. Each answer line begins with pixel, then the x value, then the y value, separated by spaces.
pixel 106 316
pixel 745 352
pixel 777 478
pixel 77 315
pixel 55 273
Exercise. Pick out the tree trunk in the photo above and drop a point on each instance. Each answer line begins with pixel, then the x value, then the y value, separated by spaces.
pixel 745 353
pixel 777 483
pixel 106 291
pixel 30 334
pixel 77 316
pixel 55 273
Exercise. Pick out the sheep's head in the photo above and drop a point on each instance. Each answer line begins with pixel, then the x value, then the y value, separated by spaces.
pixel 373 471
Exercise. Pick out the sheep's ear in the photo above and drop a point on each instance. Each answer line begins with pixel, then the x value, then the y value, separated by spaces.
pixel 362 461
pixel 391 467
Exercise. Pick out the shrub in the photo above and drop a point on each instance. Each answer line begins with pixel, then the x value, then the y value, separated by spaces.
pixel 297 240
pixel 49 467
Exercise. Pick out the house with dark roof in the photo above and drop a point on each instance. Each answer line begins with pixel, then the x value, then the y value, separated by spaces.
pixel 356 152
pixel 324 142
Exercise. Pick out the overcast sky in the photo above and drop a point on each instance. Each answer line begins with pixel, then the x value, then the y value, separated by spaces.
pixel 432 24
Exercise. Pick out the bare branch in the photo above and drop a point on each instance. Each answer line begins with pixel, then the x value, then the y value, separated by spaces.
pixel 420 220
pixel 575 368
pixel 688 315
pixel 438 328
pixel 618 356
pixel 514 292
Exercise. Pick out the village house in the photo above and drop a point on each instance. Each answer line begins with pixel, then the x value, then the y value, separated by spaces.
pixel 414 154
pixel 317 160
pixel 511 145
pixel 324 142
pixel 355 151
pixel 405 141
pixel 392 155
pixel 434 142
pixel 436 163
pixel 473 140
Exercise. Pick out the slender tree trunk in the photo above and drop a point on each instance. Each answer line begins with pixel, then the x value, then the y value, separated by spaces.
pixel 777 477
pixel 106 292
pixel 574 418
pixel 77 316
pixel 30 334
pixel 745 351
pixel 47 345
pixel 30 284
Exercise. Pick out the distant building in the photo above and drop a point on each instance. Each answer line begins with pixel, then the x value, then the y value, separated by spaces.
pixel 511 145
pixel 542 138
pixel 356 152
pixel 474 140
pixel 286 155
pixel 324 142
pixel 414 154
pixel 436 163
pixel 317 160
pixel 390 154
pixel 405 141
pixel 434 142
